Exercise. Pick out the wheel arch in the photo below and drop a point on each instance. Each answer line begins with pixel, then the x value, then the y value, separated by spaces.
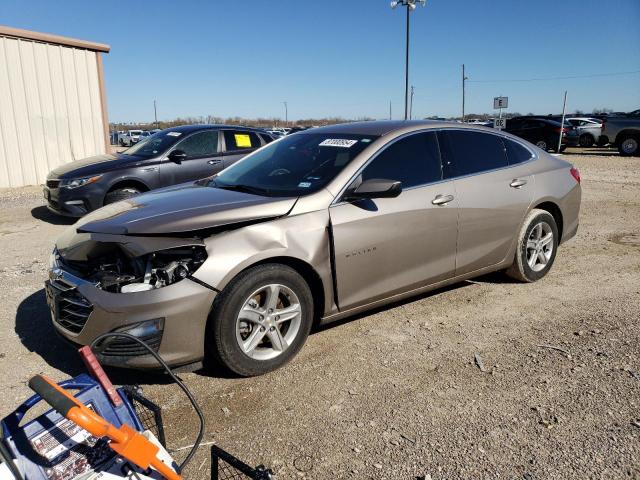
pixel 626 133
pixel 555 211
pixel 307 272
pixel 129 182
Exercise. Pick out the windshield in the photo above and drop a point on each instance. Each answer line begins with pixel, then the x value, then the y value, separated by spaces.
pixel 293 166
pixel 155 144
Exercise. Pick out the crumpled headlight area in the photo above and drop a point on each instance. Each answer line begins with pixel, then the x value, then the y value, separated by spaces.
pixel 79 182
pixel 118 273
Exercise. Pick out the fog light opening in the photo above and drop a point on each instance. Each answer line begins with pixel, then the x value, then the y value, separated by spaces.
pixel 144 329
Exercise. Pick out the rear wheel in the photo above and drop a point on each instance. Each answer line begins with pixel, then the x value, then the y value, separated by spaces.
pixel 121 194
pixel 629 146
pixel 586 140
pixel 537 246
pixel 542 144
pixel 260 320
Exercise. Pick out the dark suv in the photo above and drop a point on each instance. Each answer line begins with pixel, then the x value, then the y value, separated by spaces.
pixel 543 133
pixel 169 157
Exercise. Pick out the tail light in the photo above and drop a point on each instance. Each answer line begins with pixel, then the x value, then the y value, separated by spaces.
pixel 562 130
pixel 575 173
pixel 602 125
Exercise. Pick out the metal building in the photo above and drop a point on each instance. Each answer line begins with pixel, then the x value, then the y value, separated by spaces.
pixel 52 104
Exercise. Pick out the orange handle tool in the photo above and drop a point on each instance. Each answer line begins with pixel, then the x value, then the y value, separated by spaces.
pixel 125 441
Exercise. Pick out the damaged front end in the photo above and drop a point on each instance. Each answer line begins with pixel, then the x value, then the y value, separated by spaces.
pixel 143 286
pixel 115 268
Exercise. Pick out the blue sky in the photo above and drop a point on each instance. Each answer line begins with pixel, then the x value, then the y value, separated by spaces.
pixel 346 58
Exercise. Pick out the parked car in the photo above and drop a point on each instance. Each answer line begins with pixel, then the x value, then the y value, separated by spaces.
pixel 172 156
pixel 276 133
pixel 543 133
pixel 589 130
pixel 316 226
pixel 623 131
pixel 130 138
pixel 144 134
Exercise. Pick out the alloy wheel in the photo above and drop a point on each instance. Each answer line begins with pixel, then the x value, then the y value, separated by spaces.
pixel 629 146
pixel 541 144
pixel 268 322
pixel 539 246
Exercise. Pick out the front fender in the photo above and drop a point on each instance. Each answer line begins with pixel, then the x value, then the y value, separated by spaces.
pixel 303 237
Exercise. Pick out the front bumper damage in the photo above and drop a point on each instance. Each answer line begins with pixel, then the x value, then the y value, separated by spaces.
pixel 171 319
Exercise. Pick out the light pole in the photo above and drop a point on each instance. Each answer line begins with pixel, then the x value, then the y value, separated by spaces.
pixel 464 80
pixel 286 114
pixel 155 113
pixel 411 104
pixel 411 5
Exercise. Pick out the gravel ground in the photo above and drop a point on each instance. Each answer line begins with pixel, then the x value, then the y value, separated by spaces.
pixel 398 393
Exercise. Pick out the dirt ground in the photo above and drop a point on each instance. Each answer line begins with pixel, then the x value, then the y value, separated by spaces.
pixel 397 393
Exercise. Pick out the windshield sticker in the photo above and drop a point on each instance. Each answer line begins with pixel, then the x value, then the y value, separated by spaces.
pixel 242 140
pixel 338 142
pixel 174 134
pixel 304 184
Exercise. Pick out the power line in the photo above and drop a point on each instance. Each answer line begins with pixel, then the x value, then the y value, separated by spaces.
pixel 632 72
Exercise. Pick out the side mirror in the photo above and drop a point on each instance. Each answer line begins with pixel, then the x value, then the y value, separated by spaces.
pixel 375 188
pixel 177 156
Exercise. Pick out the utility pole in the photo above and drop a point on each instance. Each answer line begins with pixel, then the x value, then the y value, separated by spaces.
pixel 389 109
pixel 411 5
pixel 286 114
pixel 464 80
pixel 411 104
pixel 155 113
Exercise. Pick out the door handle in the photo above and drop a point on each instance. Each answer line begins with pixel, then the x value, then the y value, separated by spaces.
pixel 214 162
pixel 442 200
pixel 517 183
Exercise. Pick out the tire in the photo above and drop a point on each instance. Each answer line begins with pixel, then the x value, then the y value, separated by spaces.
pixel 120 194
pixel 629 145
pixel 603 141
pixel 243 344
pixel 586 140
pixel 543 144
pixel 121 143
pixel 527 265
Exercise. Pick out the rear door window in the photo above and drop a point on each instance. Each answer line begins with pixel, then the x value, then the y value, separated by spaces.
pixel 240 140
pixel 200 144
pixel 413 160
pixel 470 152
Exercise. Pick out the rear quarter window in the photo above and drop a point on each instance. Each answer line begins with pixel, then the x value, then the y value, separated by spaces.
pixel 516 153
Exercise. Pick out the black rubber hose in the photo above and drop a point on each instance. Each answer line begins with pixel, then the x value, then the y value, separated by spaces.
pixel 173 376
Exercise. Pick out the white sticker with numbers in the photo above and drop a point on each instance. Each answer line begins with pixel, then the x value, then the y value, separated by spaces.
pixel 338 142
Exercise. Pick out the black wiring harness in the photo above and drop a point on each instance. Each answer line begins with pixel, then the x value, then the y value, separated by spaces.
pixel 173 376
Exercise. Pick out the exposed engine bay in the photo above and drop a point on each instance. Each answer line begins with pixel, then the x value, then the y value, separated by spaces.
pixel 113 269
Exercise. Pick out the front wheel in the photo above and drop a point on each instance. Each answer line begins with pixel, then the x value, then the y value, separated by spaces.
pixel 260 320
pixel 120 194
pixel 537 246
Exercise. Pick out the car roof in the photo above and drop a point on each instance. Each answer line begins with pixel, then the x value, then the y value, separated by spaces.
pixel 378 127
pixel 194 128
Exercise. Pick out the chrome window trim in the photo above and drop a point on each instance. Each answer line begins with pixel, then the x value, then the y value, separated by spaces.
pixel 338 198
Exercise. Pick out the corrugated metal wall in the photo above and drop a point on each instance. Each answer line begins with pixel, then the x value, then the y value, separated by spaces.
pixel 50 109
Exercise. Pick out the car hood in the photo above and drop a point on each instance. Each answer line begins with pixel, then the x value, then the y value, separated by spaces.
pixel 93 165
pixel 181 210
